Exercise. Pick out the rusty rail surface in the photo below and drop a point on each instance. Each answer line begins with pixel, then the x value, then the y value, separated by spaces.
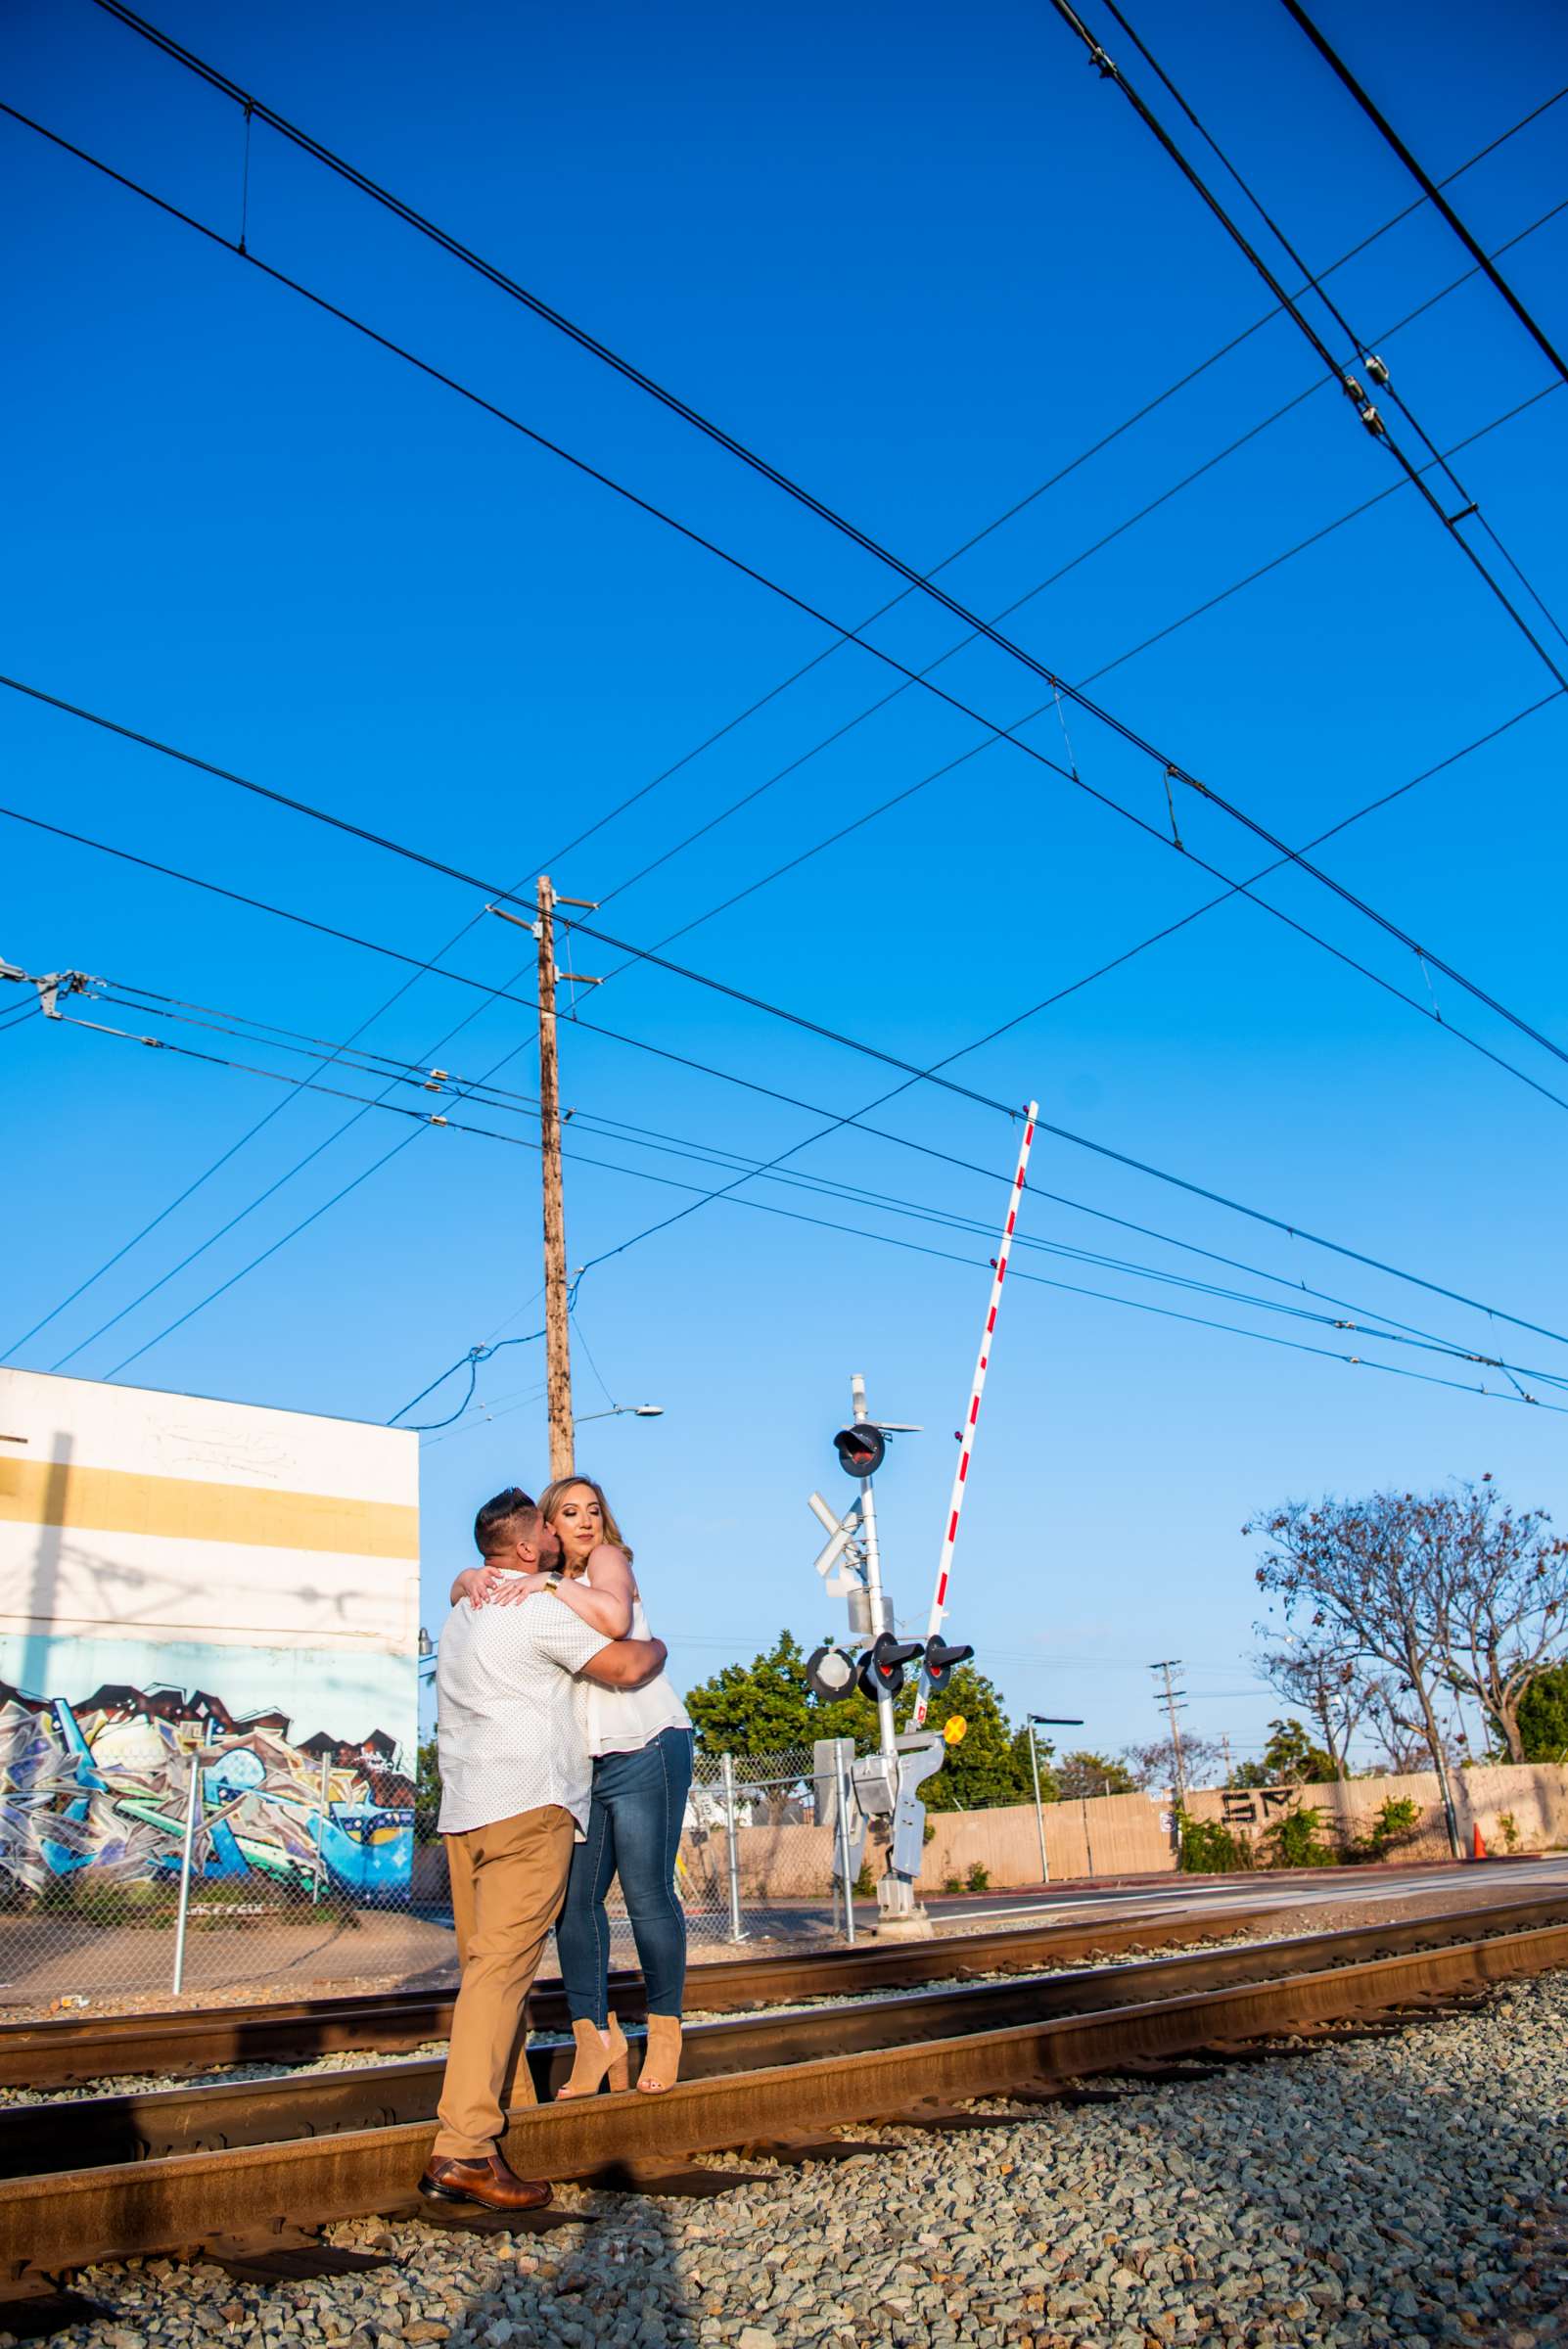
pixel 65 2052
pixel 150 2124
pixel 54 2223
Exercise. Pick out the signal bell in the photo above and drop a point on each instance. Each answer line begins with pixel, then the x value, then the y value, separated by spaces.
pixel 862 1449
pixel 942 1662
pixel 881 1666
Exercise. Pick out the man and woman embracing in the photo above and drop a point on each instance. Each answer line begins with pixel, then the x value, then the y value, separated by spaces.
pixel 566 1758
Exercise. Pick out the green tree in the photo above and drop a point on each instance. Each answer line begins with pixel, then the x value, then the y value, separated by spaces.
pixel 1543 1717
pixel 427 1791
pixel 757 1708
pixel 1083 1775
pixel 1289 1759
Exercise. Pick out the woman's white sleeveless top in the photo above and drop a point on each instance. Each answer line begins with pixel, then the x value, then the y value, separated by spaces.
pixel 623 1721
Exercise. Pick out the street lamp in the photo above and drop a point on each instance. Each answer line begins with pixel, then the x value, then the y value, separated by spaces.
pixel 622 1411
pixel 1045 1721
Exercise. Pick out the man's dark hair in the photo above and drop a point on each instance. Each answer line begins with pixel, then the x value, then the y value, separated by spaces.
pixel 503 1520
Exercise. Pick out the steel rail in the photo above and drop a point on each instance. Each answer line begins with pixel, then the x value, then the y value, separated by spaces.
pixel 62 2221
pixel 155 2123
pixel 66 2050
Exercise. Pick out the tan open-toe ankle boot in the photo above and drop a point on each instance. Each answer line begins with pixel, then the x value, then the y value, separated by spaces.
pixel 595 2059
pixel 661 2061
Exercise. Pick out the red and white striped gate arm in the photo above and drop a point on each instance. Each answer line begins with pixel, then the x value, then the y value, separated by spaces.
pixel 966 1440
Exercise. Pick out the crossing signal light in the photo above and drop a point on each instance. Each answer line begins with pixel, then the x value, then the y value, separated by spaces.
pixel 881 1666
pixel 942 1662
pixel 862 1449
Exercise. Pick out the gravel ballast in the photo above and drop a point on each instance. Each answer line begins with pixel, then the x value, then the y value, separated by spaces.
pixel 1383 2192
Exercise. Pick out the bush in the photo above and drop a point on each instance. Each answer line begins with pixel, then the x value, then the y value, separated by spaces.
pixel 1293 1841
pixel 979 1878
pixel 865 1882
pixel 1206 1848
pixel 951 1884
pixel 1508 1829
pixel 1396 1822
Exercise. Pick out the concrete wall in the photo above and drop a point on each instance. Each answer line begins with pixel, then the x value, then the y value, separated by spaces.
pixel 1533 1793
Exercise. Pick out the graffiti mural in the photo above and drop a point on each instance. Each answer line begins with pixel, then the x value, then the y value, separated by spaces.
pixel 104 1784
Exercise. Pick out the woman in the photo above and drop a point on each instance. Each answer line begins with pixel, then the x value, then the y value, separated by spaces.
pixel 641 1743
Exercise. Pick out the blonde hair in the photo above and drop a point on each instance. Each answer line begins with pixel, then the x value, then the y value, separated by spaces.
pixel 555 1492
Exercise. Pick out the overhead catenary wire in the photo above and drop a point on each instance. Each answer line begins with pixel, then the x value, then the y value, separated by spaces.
pixel 1094 448
pixel 848 726
pixel 621 1131
pixel 167 208
pixel 1154 831
pixel 1291 1228
pixel 1170 768
pixel 1360 347
pixel 1018 506
pixel 1430 189
pixel 549 314
pixel 475 1355
pixel 1108 69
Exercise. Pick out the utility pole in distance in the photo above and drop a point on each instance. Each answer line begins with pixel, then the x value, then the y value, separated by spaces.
pixel 1168 1664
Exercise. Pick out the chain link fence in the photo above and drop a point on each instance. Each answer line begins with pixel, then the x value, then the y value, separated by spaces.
pixel 167 1867
pixel 169 1859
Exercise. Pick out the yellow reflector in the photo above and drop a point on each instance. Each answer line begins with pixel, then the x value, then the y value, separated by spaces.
pixel 954 1729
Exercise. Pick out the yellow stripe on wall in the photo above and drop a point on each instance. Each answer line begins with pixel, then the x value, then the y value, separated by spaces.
pixel 181 1509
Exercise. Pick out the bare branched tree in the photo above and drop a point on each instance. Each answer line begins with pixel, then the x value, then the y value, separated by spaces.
pixel 1391 1717
pixel 1371 1576
pixel 1155 1765
pixel 1503 1595
pixel 1322 1675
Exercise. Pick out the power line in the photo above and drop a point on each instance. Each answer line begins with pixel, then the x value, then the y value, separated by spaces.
pixel 1063 570
pixel 821 1222
pixel 1094 448
pixel 1430 189
pixel 614 1130
pixel 254 108
pixel 1291 1229
pixel 1513 130
pixel 1173 771
pixel 243 1141
pixel 1370 415
pixel 216 1165
pixel 1374 366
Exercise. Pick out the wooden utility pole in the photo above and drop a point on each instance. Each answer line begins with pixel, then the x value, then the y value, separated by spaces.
pixel 557 1333
pixel 1164 1666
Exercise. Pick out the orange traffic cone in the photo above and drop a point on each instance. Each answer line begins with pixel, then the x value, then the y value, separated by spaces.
pixel 1479 1850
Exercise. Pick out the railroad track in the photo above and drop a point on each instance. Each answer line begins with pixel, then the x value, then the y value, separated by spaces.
pixel 150 2124
pixel 238 2201
pixel 66 2052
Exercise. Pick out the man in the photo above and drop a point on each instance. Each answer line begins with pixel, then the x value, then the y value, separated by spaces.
pixel 515 1786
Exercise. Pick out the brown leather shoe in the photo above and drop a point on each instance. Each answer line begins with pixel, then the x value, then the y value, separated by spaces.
pixel 490 2184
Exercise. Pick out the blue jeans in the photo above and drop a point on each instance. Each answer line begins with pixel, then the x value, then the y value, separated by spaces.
pixel 639 1801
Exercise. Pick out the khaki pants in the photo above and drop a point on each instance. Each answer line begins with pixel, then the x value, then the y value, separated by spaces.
pixel 508 1883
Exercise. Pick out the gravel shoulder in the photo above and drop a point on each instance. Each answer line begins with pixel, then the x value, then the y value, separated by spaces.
pixel 1366 2196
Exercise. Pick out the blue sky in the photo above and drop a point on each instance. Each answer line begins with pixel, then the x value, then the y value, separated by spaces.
pixel 922 261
